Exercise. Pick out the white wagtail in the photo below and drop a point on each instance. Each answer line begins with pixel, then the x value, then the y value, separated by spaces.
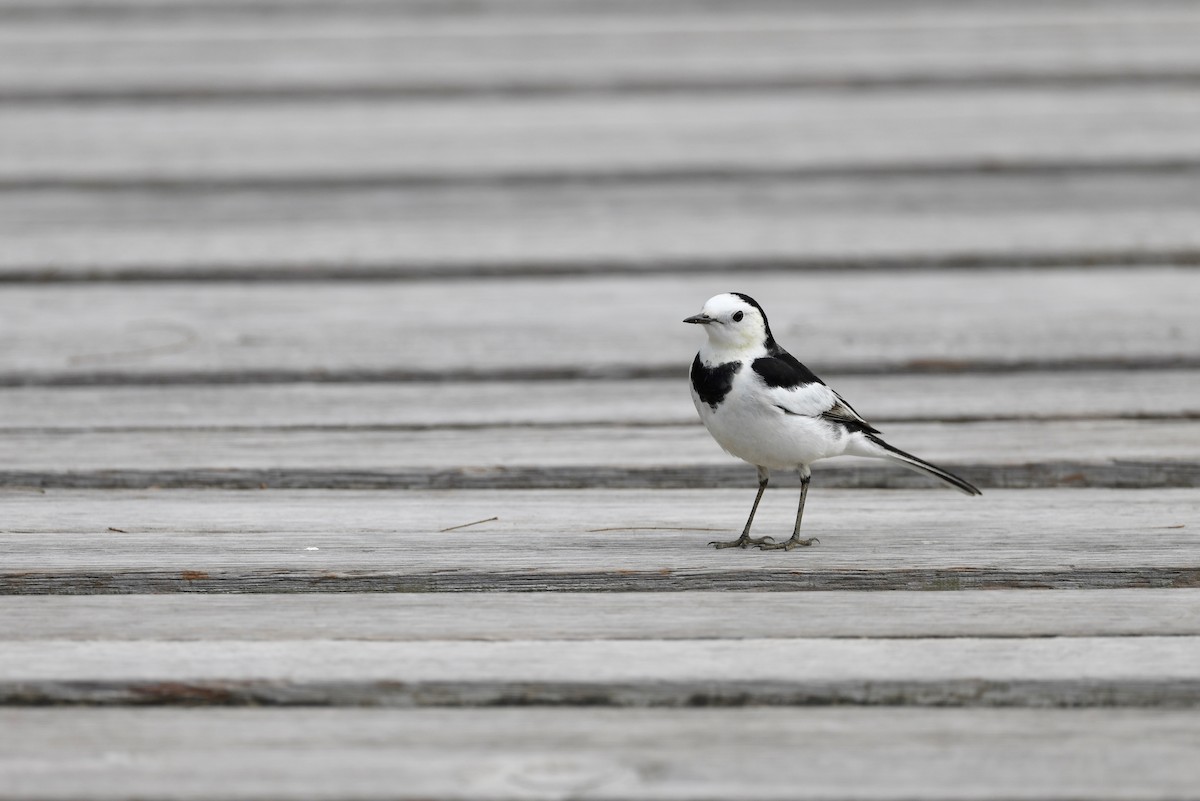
pixel 763 406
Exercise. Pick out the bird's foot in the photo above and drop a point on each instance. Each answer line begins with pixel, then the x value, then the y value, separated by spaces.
pixel 744 541
pixel 788 545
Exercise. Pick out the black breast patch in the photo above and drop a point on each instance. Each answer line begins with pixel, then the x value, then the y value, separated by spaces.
pixel 712 384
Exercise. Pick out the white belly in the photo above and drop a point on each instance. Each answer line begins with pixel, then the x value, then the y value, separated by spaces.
pixel 760 433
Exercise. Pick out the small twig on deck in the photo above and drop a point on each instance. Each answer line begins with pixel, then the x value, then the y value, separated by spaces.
pixel 464 525
pixel 118 530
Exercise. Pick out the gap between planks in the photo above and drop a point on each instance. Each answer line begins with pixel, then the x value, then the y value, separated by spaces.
pixel 1123 474
pixel 43 268
pixel 232 92
pixel 610 371
pixel 599 176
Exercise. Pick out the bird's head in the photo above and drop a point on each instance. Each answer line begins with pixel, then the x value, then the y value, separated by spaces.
pixel 736 326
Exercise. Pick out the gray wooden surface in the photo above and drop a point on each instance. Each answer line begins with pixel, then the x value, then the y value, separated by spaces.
pixel 1109 453
pixel 561 47
pixel 602 327
pixel 599 753
pixel 697 615
pixel 905 221
pixel 628 540
pixel 341 365
pixel 886 399
pixel 448 141
pixel 1033 672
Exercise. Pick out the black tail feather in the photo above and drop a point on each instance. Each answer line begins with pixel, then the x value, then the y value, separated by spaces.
pixel 922 466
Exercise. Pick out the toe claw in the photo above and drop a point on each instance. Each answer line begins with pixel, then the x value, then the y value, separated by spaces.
pixel 744 541
pixel 788 545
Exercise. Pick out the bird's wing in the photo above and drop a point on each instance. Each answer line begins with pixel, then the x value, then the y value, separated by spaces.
pixel 782 369
pixel 795 389
pixel 843 412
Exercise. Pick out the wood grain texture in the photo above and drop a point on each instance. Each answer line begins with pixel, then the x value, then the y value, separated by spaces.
pixel 521 328
pixel 1038 672
pixel 883 399
pixel 393 49
pixel 166 541
pixel 523 9
pixel 695 225
pixel 1122 474
pixel 418 617
pixel 850 753
pixel 248 210
pixel 434 140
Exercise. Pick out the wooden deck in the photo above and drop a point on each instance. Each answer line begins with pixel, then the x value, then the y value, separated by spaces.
pixel 347 450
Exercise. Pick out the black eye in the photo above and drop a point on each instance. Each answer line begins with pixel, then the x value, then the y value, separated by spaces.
pixel 737 316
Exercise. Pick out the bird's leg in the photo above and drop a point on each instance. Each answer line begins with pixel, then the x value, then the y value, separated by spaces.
pixel 746 539
pixel 787 545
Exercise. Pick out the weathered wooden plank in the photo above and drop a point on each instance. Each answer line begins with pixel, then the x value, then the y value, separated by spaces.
pixel 1058 473
pixel 1132 453
pixel 524 9
pixel 601 616
pixel 905 221
pixel 603 326
pixel 884 399
pixel 848 753
pixel 1039 672
pixel 389 49
pixel 166 541
pixel 428 140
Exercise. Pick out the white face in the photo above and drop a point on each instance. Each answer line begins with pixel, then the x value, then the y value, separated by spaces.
pixel 731 323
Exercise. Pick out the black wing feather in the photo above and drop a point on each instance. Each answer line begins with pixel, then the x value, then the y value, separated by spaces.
pixel 782 369
pixel 844 414
pixel 785 371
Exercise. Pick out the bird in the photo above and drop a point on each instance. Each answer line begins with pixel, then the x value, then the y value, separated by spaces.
pixel 764 407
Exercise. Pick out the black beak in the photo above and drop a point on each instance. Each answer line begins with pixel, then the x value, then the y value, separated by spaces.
pixel 700 319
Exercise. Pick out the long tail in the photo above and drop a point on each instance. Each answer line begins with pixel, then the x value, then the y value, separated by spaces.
pixel 922 466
